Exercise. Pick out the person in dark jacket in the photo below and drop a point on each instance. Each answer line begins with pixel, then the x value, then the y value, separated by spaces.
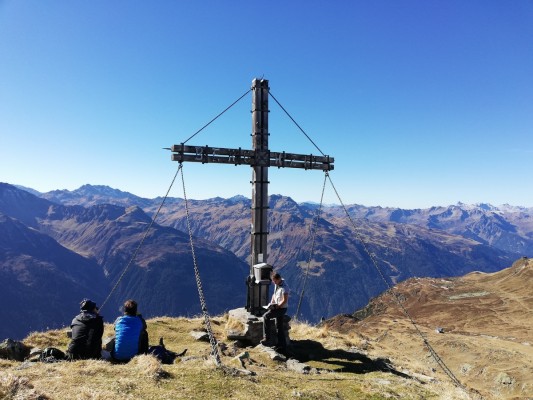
pixel 87 330
pixel 131 337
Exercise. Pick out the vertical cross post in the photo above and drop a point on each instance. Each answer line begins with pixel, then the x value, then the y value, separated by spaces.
pixel 260 172
pixel 259 284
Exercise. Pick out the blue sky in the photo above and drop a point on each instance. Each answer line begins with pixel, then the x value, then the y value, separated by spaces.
pixel 421 103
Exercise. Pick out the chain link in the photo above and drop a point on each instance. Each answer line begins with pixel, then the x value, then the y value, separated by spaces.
pixel 207 319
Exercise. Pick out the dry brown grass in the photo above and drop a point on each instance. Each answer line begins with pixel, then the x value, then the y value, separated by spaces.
pixel 234 324
pixel 18 387
pixel 327 336
pixel 195 376
pixel 53 338
pixel 149 366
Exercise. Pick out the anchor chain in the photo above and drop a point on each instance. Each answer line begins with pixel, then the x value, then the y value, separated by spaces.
pixel 207 319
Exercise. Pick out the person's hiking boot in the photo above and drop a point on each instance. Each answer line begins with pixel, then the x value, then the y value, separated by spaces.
pixel 265 342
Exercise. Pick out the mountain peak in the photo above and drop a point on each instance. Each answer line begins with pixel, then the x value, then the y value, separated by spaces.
pixel 88 195
pixel 486 206
pixel 101 189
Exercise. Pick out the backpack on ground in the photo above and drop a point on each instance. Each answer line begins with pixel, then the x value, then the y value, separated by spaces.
pixel 163 354
pixel 52 355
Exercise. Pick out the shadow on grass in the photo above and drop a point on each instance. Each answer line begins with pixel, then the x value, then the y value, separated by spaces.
pixel 340 360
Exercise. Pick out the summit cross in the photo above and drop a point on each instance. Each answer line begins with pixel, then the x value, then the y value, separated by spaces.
pixel 260 158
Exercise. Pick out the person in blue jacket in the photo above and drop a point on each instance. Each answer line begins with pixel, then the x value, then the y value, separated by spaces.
pixel 131 337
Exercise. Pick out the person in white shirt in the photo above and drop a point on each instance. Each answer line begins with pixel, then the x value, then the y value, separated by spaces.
pixel 277 310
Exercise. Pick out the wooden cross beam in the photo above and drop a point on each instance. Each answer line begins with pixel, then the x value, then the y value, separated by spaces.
pixel 220 155
pixel 260 159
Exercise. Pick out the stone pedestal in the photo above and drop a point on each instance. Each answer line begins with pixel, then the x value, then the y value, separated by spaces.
pixel 248 328
pixel 244 326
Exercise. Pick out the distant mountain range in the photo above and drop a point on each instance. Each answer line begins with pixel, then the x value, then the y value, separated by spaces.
pixel 104 226
pixel 52 256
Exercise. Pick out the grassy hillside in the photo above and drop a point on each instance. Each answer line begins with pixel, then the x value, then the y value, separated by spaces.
pixel 338 368
pixel 486 320
pixel 484 337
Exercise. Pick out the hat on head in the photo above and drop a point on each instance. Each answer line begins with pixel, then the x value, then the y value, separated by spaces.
pixel 87 305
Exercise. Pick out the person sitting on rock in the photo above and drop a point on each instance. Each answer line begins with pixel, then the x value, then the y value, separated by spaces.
pixel 277 310
pixel 87 330
pixel 131 337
